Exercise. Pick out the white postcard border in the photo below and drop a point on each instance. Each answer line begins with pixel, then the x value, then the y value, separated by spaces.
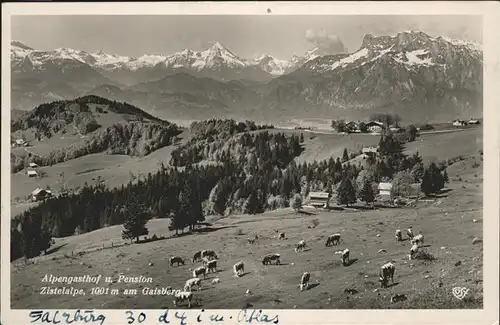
pixel 491 44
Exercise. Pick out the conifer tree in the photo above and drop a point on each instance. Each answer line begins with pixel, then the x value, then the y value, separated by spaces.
pixel 296 202
pixel 366 193
pixel 136 218
pixel 346 192
pixel 345 155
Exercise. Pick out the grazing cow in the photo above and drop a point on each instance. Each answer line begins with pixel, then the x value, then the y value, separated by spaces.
pixel 304 281
pixel 413 251
pixel 333 240
pixel 269 258
pixel 418 239
pixel 345 257
pixel 239 268
pixel 281 235
pixel 386 272
pixel 212 266
pixel 301 245
pixel 409 232
pixel 199 271
pixel 183 296
pixel 197 256
pixel 176 259
pixel 209 254
pixel 399 236
pixel 192 282
pixel 215 281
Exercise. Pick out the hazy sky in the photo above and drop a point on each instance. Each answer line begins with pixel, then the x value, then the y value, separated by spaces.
pixel 246 36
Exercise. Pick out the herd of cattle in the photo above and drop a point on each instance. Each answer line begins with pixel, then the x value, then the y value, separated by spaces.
pixel 209 259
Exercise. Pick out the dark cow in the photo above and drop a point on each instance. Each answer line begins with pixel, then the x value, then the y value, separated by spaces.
pixel 269 258
pixel 333 240
pixel 197 256
pixel 345 257
pixel 176 259
pixel 212 266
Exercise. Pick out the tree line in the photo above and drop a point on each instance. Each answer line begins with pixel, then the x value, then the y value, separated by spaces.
pixel 251 172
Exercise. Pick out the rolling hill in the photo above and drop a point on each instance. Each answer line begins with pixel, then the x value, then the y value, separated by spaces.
pixel 64 130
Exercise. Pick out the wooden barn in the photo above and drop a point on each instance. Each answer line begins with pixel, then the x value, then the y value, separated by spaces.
pixel 319 199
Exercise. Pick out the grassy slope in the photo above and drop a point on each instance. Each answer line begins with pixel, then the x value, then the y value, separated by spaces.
pixel 448 223
pixel 116 169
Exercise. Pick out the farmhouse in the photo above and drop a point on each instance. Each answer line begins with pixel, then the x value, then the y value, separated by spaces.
pixel 459 123
pixel 33 165
pixel 374 126
pixel 352 127
pixel 385 191
pixel 20 142
pixel 32 173
pixel 40 194
pixel 370 151
pixel 319 199
pixel 473 121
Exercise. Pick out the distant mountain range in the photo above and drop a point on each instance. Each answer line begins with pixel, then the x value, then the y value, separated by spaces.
pixel 413 74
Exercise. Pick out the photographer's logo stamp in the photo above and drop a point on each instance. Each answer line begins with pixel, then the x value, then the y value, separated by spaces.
pixel 460 292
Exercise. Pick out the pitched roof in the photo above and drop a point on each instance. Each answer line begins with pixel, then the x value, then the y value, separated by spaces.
pixel 37 191
pixel 32 172
pixel 385 186
pixel 319 195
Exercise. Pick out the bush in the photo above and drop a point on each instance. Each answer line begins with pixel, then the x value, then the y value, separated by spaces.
pixel 426 127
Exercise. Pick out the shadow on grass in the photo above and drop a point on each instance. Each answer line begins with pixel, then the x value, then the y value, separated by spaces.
pixel 55 249
pixel 354 260
pixel 305 213
pixel 392 285
pixel 210 229
pixel 312 286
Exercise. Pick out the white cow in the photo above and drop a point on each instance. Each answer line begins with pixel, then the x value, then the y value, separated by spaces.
pixel 239 268
pixel 183 296
pixel 304 281
pixel 418 239
pixel 192 282
pixel 345 257
pixel 413 251
pixel 200 271
pixel 399 236
pixel 409 232
pixel 386 272
pixel 301 245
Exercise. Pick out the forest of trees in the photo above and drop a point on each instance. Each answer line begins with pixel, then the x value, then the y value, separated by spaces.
pixel 251 172
pixel 132 138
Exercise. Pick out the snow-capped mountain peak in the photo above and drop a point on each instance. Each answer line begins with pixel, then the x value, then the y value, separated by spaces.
pixel 410 49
